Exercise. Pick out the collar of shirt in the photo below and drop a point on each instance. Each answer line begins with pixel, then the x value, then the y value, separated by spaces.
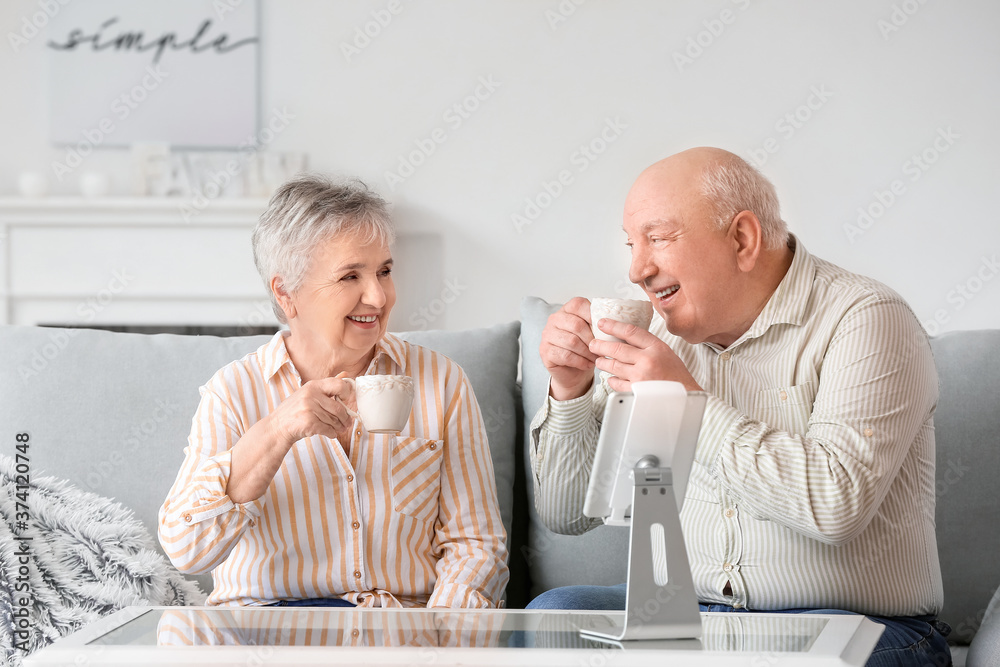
pixel 275 354
pixel 790 300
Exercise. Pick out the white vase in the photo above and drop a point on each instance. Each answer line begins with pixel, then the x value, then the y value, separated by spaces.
pixel 32 184
pixel 94 184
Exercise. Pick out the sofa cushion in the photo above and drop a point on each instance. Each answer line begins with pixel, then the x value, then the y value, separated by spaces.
pixel 112 411
pixel 84 556
pixel 489 358
pixel 967 426
pixel 598 557
pixel 109 411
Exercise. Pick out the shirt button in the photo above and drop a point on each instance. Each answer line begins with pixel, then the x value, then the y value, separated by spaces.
pixel 188 518
pixel 355 632
pixel 784 395
pixel 725 356
pixel 355 525
pixel 868 432
pixel 728 567
pixel 357 574
pixel 737 605
pixel 432 446
pixel 358 432
pixel 350 478
pixel 730 513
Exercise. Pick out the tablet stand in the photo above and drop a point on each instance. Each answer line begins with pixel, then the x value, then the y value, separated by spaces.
pixel 660 601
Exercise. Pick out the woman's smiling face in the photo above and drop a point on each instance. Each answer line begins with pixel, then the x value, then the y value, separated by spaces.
pixel 345 298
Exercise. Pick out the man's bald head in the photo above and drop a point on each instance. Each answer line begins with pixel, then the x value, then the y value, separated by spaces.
pixel 718 179
pixel 707 242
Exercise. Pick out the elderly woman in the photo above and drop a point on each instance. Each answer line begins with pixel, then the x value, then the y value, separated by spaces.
pixel 285 497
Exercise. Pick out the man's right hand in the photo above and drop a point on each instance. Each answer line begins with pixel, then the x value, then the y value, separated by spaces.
pixel 565 350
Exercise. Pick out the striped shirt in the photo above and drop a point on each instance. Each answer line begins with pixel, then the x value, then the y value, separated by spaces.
pixel 405 520
pixel 813 483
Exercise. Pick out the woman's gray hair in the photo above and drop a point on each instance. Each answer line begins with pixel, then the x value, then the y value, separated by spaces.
pixel 732 185
pixel 305 212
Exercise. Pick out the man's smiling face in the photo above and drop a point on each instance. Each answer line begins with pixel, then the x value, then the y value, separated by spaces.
pixel 680 258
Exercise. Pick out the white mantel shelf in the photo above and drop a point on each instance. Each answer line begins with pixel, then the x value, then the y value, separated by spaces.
pixel 131 211
pixel 129 260
pixel 159 261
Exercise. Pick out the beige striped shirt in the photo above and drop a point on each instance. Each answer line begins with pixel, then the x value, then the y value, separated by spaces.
pixel 405 520
pixel 813 483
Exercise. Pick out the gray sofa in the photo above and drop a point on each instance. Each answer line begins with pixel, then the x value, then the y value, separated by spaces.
pixel 111 413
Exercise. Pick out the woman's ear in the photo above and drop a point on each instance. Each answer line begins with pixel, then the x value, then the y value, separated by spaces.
pixel 285 300
pixel 748 239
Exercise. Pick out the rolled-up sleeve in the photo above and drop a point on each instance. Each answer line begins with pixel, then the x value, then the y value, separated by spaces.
pixel 198 523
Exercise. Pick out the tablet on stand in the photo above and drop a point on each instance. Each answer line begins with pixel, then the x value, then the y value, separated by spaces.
pixel 639 477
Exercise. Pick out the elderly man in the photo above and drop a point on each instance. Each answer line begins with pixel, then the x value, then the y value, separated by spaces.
pixel 813 482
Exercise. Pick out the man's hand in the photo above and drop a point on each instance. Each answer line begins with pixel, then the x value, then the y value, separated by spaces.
pixel 642 356
pixel 565 352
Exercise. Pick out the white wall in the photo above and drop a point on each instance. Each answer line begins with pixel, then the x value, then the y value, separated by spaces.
pixel 879 96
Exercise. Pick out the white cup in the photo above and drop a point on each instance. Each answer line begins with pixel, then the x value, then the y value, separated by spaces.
pixel 630 311
pixel 384 401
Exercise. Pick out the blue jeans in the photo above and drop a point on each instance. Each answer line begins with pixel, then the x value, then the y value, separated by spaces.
pixel 907 641
pixel 313 602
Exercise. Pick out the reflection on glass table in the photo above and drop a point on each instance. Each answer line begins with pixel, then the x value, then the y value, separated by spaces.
pixel 284 626
pixel 194 636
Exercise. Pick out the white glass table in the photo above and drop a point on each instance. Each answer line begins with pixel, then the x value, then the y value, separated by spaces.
pixel 249 636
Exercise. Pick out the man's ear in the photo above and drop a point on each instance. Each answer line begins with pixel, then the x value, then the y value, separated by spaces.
pixel 283 297
pixel 748 240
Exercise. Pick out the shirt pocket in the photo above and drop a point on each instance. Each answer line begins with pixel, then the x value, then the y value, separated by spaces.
pixel 786 408
pixel 415 475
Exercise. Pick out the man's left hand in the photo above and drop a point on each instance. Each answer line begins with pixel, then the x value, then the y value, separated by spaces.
pixel 642 356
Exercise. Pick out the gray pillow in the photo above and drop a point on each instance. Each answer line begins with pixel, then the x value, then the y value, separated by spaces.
pixel 966 424
pixel 489 359
pixel 82 557
pixel 555 560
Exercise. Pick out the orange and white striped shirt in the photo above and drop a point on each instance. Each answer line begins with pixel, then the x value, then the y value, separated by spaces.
pixel 405 520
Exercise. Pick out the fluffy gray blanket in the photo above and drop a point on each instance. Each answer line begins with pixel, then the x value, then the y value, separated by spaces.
pixel 68 557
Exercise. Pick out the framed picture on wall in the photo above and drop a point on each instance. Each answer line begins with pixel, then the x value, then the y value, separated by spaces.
pixel 184 72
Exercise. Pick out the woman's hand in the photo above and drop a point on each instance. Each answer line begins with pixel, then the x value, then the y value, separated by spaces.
pixel 314 409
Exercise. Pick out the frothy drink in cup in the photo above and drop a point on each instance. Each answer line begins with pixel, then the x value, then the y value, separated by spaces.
pixel 630 311
pixel 384 401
